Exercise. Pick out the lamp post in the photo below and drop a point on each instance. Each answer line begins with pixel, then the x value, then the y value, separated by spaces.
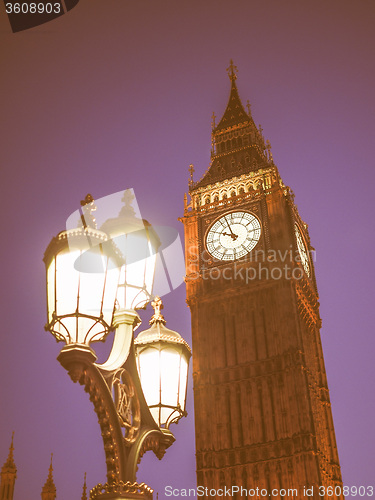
pixel 96 280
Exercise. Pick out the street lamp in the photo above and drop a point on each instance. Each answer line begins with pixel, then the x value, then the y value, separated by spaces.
pixel 96 279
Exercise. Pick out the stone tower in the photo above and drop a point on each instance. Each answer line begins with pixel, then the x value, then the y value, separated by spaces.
pixel 8 476
pixel 262 409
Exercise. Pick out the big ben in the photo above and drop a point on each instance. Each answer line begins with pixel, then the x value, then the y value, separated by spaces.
pixel 262 409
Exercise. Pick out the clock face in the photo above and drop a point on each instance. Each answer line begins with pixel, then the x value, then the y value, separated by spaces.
pixel 303 253
pixel 233 235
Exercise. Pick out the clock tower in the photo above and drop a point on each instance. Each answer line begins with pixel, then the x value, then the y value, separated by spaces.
pixel 262 410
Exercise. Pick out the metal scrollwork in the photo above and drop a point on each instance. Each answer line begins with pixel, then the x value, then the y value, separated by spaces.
pixel 127 405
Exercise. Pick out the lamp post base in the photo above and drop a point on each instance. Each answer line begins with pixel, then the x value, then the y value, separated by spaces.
pixel 121 491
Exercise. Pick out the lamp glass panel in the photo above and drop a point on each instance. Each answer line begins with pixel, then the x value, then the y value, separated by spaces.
pixel 183 381
pixel 169 376
pixel 67 281
pixel 66 328
pixel 83 286
pixel 165 413
pixel 51 289
pixel 137 275
pixel 149 365
pixel 150 272
pixel 109 298
pixel 91 287
pixel 155 412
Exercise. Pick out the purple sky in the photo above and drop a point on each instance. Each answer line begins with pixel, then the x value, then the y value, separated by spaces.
pixel 119 94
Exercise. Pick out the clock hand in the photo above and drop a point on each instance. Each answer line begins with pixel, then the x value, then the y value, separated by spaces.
pixel 232 235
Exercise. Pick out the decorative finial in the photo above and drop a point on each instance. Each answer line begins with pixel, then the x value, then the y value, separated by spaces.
pixel 232 71
pixel 248 105
pixel 191 171
pixel 88 199
pixel 87 217
pixel 157 317
pixel 213 123
pixel 11 448
pixel 268 147
pixel 84 490
pixel 127 210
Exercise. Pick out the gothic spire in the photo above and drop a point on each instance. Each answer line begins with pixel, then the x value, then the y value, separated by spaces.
pixel 9 466
pixel 235 112
pixel 237 145
pixel 49 488
pixel 8 475
pixel 84 490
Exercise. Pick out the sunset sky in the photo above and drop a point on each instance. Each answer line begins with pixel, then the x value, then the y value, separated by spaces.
pixel 119 94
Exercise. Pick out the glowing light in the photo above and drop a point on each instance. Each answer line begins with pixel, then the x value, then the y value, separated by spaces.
pixel 82 278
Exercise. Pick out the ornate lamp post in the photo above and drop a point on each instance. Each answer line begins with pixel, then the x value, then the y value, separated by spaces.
pixel 96 279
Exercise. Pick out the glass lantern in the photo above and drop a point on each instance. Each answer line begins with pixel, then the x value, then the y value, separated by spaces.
pixel 82 277
pixel 163 364
pixel 138 244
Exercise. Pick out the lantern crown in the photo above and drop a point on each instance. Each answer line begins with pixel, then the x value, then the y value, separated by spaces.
pixel 158 331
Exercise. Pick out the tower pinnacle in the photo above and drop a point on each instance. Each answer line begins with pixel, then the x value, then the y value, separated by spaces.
pixel 49 488
pixel 8 475
pixel 84 490
pixel 9 464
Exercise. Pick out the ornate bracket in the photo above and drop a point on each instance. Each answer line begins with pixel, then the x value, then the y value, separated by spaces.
pixel 127 426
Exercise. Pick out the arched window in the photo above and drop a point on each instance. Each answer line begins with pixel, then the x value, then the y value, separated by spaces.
pixel 207 200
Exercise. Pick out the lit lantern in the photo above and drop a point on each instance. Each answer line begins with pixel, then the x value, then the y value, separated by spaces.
pixel 138 244
pixel 163 363
pixel 82 277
